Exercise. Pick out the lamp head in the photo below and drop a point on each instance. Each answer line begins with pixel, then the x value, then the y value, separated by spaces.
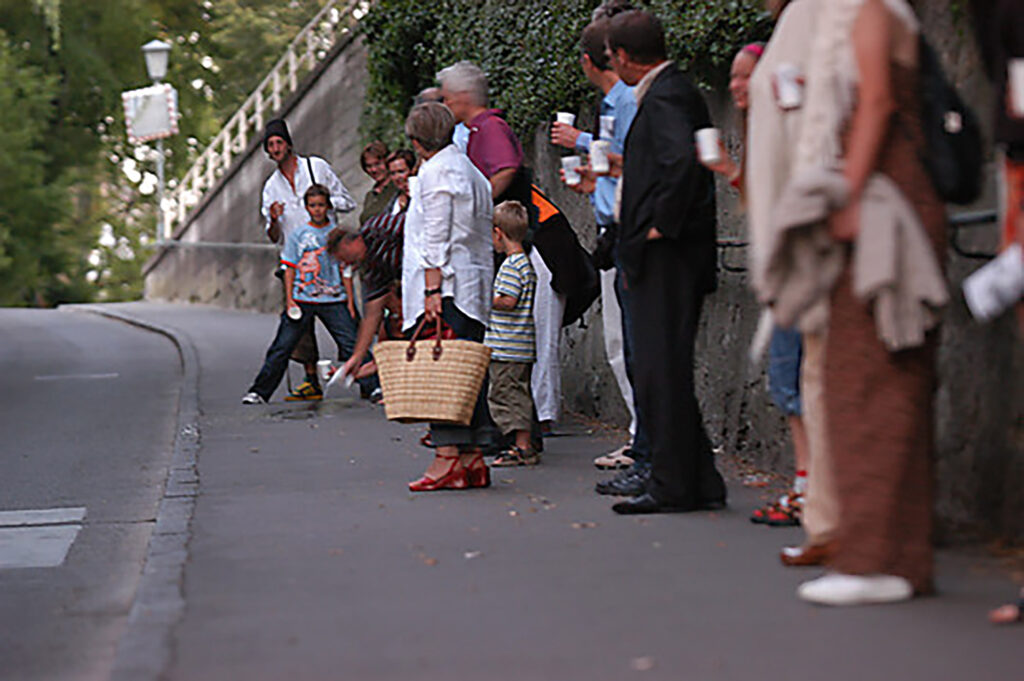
pixel 156 53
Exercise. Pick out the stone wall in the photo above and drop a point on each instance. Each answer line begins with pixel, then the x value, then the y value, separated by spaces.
pixel 980 405
pixel 980 402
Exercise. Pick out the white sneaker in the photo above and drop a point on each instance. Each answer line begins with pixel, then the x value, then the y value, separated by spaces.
pixel 253 398
pixel 839 589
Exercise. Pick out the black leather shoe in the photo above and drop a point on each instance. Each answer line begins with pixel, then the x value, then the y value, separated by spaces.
pixel 645 503
pixel 629 483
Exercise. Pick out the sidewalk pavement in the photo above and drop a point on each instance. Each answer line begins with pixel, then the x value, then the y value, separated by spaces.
pixel 310 560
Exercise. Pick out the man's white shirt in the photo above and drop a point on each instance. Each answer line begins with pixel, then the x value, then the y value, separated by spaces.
pixel 277 188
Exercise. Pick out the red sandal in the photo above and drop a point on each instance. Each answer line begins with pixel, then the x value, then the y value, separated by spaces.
pixel 455 478
pixel 478 473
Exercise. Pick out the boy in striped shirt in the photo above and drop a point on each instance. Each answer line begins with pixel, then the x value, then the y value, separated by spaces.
pixel 510 336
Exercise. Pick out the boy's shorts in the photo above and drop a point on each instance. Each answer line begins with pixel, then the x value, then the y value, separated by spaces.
pixel 508 395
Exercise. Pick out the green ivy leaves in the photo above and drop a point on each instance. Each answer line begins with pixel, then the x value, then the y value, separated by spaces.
pixel 529 49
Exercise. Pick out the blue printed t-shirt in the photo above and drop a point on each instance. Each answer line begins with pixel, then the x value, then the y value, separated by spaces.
pixel 510 334
pixel 317 274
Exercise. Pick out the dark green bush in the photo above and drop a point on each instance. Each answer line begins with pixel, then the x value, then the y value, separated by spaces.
pixel 529 49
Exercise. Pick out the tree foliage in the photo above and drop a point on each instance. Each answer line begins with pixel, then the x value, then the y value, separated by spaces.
pixel 63 66
pixel 529 49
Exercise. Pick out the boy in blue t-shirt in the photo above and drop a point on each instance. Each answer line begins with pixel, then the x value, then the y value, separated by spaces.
pixel 510 336
pixel 313 288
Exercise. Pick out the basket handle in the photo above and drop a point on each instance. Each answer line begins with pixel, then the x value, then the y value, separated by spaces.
pixel 410 352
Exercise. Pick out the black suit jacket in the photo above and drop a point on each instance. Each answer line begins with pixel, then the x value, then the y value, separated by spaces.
pixel 664 185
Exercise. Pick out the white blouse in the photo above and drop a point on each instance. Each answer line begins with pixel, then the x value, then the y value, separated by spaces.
pixel 448 226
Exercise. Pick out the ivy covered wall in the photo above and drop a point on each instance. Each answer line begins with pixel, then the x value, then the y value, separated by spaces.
pixel 529 49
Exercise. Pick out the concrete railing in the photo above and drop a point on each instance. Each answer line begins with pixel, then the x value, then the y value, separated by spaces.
pixel 334 22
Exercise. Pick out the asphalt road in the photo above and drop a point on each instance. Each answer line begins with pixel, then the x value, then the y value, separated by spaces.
pixel 87 412
pixel 309 560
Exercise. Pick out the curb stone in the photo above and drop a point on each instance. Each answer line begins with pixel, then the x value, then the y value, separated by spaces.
pixel 145 649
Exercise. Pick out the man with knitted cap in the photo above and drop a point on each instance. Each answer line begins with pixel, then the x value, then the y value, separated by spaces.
pixel 283 211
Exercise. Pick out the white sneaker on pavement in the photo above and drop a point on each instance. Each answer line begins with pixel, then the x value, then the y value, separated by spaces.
pixel 253 398
pixel 614 460
pixel 840 589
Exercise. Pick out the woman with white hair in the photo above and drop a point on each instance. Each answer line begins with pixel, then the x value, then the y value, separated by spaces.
pixel 447 270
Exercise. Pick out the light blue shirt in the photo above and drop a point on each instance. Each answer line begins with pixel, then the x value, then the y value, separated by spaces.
pixel 460 136
pixel 317 273
pixel 620 103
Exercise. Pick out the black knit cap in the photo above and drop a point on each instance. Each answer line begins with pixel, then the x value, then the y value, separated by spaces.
pixel 276 128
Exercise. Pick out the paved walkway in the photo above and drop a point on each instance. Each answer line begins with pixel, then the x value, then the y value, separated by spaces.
pixel 310 560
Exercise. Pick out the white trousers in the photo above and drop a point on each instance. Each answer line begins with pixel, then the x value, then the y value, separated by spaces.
pixel 548 308
pixel 614 350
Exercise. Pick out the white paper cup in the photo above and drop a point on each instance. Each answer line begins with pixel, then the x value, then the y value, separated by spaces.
pixel 323 369
pixel 565 118
pixel 571 165
pixel 787 86
pixel 599 156
pixel 607 127
pixel 708 145
pixel 295 312
pixel 1015 74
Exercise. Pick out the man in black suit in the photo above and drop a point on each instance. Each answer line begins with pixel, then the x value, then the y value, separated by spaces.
pixel 667 250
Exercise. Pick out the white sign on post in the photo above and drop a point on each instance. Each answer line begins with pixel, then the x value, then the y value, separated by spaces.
pixel 150 113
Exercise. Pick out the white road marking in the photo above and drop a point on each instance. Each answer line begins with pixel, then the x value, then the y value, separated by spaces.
pixel 76 377
pixel 36 547
pixel 38 538
pixel 45 516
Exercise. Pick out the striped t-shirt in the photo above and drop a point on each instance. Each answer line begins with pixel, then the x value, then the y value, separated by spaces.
pixel 510 333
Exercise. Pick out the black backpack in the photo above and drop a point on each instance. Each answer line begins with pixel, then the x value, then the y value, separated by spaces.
pixel 954 149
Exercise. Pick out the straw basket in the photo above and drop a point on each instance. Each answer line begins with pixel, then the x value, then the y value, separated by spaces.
pixel 431 380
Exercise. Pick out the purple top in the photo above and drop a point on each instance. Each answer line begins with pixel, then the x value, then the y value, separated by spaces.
pixel 492 144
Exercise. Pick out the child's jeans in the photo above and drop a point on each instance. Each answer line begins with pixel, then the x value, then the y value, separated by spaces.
pixel 339 324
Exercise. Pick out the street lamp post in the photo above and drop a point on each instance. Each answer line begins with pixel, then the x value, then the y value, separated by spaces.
pixel 156 54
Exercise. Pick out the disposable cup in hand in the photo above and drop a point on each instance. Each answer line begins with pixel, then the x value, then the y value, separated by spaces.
pixel 599 156
pixel 336 377
pixel 708 145
pixel 323 369
pixel 565 118
pixel 295 312
pixel 787 86
pixel 1015 72
pixel 571 166
pixel 607 127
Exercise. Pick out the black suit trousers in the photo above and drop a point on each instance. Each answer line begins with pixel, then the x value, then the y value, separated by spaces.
pixel 666 305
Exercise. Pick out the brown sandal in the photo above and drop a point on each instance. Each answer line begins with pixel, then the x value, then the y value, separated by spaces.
pixel 516 456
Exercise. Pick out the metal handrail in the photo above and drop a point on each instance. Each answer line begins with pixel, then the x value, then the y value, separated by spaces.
pixel 724 247
pixel 964 220
pixel 307 50
pixel 957 223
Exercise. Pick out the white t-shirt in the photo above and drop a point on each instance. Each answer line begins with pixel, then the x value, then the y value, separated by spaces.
pixel 277 188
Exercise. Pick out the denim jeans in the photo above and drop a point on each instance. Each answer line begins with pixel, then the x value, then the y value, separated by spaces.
pixel 784 355
pixel 641 446
pixel 339 324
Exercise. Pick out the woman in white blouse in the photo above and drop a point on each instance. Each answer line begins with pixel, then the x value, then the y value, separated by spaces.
pixel 447 271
